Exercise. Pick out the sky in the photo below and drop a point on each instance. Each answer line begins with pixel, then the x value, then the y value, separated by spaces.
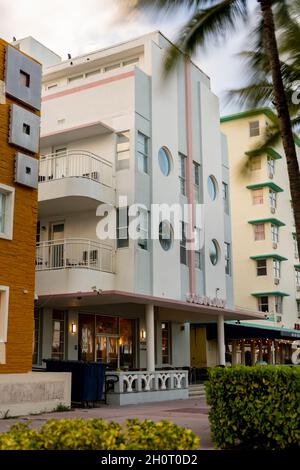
pixel 81 26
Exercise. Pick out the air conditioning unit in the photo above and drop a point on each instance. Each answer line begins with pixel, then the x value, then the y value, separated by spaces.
pixel 278 318
pixel 298 288
pixel 276 281
pixel 275 246
pixel 273 210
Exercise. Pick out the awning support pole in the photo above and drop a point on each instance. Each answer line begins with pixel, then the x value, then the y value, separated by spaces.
pixel 221 340
pixel 150 337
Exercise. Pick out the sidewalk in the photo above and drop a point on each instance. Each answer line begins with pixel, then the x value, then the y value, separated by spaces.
pixel 191 413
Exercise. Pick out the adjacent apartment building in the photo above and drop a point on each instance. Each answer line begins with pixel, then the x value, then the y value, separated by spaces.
pixel 266 269
pixel 112 127
pixel 20 102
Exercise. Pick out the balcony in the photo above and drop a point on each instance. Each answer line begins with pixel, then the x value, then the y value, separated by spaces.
pixel 73 265
pixel 74 180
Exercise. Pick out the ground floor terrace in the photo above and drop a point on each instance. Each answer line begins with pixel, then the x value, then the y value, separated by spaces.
pixel 144 341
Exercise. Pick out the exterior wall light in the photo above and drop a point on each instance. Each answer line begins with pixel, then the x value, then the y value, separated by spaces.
pixel 74 328
pixel 143 335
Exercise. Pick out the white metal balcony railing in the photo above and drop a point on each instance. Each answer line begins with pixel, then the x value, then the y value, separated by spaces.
pixel 75 164
pixel 74 253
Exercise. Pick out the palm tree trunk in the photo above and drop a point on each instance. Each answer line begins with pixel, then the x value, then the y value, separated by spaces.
pixel 270 44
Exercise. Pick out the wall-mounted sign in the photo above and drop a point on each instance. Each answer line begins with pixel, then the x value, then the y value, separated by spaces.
pixel 204 300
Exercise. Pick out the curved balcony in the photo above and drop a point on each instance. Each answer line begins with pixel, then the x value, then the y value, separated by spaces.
pixel 74 180
pixel 73 265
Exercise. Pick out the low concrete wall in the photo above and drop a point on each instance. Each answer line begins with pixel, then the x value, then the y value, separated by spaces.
pixel 135 398
pixel 34 392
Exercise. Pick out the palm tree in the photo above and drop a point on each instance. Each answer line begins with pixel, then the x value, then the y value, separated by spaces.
pixel 219 18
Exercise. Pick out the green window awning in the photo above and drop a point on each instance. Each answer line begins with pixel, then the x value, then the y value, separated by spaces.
pixel 273 293
pixel 269 151
pixel 268 184
pixel 274 256
pixel 264 221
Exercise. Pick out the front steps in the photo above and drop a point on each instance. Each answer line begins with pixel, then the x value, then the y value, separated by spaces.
pixel 196 390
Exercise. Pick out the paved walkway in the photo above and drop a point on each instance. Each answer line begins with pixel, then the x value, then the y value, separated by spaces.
pixel 191 413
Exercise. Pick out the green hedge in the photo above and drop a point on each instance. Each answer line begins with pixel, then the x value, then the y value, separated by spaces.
pixel 256 407
pixel 96 434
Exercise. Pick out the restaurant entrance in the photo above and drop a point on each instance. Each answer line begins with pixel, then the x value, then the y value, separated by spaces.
pixel 105 339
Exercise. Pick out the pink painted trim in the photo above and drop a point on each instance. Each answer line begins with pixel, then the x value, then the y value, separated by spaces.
pixel 87 86
pixel 189 175
pixel 131 297
pixel 75 128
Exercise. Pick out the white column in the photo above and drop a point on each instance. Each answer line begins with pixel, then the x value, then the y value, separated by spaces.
pixel 149 311
pixel 221 340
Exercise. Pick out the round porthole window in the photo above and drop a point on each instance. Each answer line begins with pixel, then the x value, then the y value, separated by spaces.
pixel 212 187
pixel 165 235
pixel 164 161
pixel 214 252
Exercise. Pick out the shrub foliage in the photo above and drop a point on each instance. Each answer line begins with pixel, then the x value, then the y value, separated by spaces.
pixel 97 434
pixel 256 407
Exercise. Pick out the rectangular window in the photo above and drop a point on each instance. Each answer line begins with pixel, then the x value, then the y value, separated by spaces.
pixel 122 227
pixel 225 197
pixel 271 167
pixel 26 128
pixel 197 249
pixel 259 232
pixel 298 308
pixel 278 304
pixel 263 304
pixel 165 343
pixel 276 269
pixel 108 68
pixel 254 128
pixel 123 150
pixel 227 259
pixel 143 229
pixel 75 78
pixel 24 79
pixel 196 181
pixel 255 163
pixel 272 199
pixel 183 252
pixel 58 334
pixel 261 267
pixel 258 196
pixel 297 277
pixel 7 196
pixel 135 60
pixel 296 253
pixel 143 152
pixel 275 233
pixel 92 73
pixel 182 173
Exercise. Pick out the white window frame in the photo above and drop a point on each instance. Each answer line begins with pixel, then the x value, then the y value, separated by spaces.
pixel 261 304
pixel 143 156
pixel 254 128
pixel 143 240
pixel 4 303
pixel 261 270
pixel 182 173
pixel 297 276
pixel 255 163
pixel 259 235
pixel 257 196
pixel 276 269
pixel 272 199
pixel 123 150
pixel 9 211
pixel 274 233
pixel 196 182
pixel 227 258
pixel 271 166
pixel 278 304
pixel 296 254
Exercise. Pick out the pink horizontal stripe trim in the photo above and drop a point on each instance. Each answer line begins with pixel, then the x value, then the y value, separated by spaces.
pixel 87 86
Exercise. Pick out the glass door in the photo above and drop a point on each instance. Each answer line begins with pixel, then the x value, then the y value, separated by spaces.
pixel 107 350
pixel 57 231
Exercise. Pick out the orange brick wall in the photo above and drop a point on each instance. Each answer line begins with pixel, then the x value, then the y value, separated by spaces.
pixel 17 256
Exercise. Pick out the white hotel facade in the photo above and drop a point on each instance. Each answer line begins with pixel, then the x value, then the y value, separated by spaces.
pixel 113 127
